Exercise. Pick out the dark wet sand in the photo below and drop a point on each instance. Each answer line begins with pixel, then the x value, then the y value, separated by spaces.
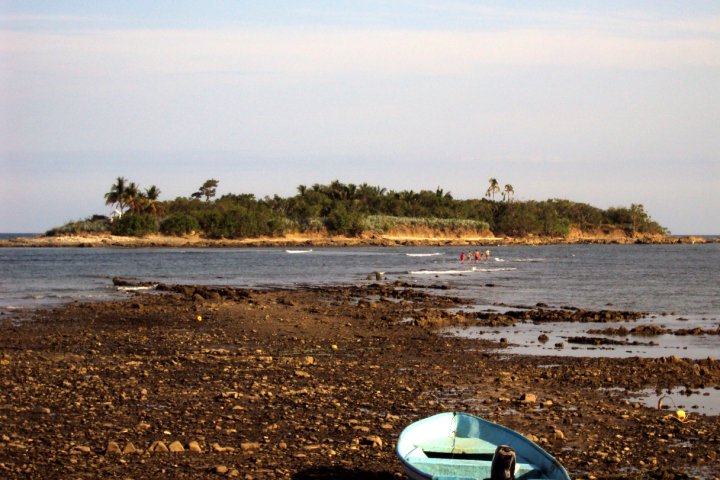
pixel 311 384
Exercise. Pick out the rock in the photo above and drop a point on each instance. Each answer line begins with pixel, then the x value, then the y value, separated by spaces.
pixel 559 435
pixel 528 398
pixel 373 440
pixel 129 449
pixel 218 448
pixel 80 449
pixel 194 447
pixel 543 338
pixel 113 449
pixel 245 446
pixel 142 426
pixel 158 446
pixel 221 469
pixel 176 447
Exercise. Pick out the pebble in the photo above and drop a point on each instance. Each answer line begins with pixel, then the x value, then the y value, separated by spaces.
pixel 129 448
pixel 528 398
pixel 176 447
pixel 217 448
pixel 194 447
pixel 373 440
pixel 113 448
pixel 158 446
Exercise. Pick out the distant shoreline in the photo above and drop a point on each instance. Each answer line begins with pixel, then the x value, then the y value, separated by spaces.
pixel 320 240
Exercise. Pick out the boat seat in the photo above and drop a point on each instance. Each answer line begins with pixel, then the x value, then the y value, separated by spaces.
pixel 460 446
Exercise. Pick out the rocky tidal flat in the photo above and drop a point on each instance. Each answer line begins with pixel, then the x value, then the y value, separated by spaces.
pixel 199 382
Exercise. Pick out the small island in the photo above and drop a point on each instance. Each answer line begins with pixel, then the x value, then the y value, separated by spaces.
pixel 339 214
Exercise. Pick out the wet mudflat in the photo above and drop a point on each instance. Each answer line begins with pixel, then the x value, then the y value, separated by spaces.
pixel 313 384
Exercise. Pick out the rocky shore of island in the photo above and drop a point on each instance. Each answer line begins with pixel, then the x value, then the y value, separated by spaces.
pixel 326 240
pixel 182 381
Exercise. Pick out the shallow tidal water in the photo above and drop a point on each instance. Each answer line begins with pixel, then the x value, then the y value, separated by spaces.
pixel 677 285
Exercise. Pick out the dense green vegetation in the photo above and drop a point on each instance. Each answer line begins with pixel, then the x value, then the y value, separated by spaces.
pixel 350 210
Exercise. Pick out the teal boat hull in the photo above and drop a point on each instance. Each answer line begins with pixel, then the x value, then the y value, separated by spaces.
pixel 459 446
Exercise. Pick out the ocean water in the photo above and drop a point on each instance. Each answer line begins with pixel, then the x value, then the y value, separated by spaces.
pixel 5 236
pixel 673 283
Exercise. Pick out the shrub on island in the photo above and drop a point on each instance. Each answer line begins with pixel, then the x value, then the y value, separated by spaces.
pixel 179 224
pixel 93 224
pixel 132 225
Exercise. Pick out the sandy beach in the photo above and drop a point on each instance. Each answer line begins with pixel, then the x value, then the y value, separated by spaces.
pixel 312 384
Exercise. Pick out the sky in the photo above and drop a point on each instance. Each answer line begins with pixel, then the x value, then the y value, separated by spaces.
pixel 606 102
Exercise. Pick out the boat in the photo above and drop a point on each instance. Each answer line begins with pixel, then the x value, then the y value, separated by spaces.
pixel 460 446
pixel 299 251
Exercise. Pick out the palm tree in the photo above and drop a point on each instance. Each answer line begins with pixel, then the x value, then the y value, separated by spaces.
pixel 508 192
pixel 116 195
pixel 132 197
pixel 151 196
pixel 493 188
pixel 351 190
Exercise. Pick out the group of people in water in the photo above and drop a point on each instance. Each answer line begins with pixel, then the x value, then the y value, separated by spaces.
pixel 469 257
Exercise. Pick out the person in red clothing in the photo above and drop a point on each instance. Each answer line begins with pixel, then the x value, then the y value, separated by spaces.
pixel 477 256
pixel 462 257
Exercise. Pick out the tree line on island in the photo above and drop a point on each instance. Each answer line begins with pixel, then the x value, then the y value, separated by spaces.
pixel 348 209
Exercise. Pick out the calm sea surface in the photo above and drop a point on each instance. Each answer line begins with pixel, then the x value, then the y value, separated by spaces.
pixel 680 281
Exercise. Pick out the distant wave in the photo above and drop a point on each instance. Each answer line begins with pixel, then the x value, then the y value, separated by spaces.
pixel 521 260
pixel 439 272
pixel 299 251
pixel 12 307
pixel 423 254
pixel 460 272
pixel 136 288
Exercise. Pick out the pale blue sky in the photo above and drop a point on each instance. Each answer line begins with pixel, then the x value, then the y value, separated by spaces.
pixel 608 103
